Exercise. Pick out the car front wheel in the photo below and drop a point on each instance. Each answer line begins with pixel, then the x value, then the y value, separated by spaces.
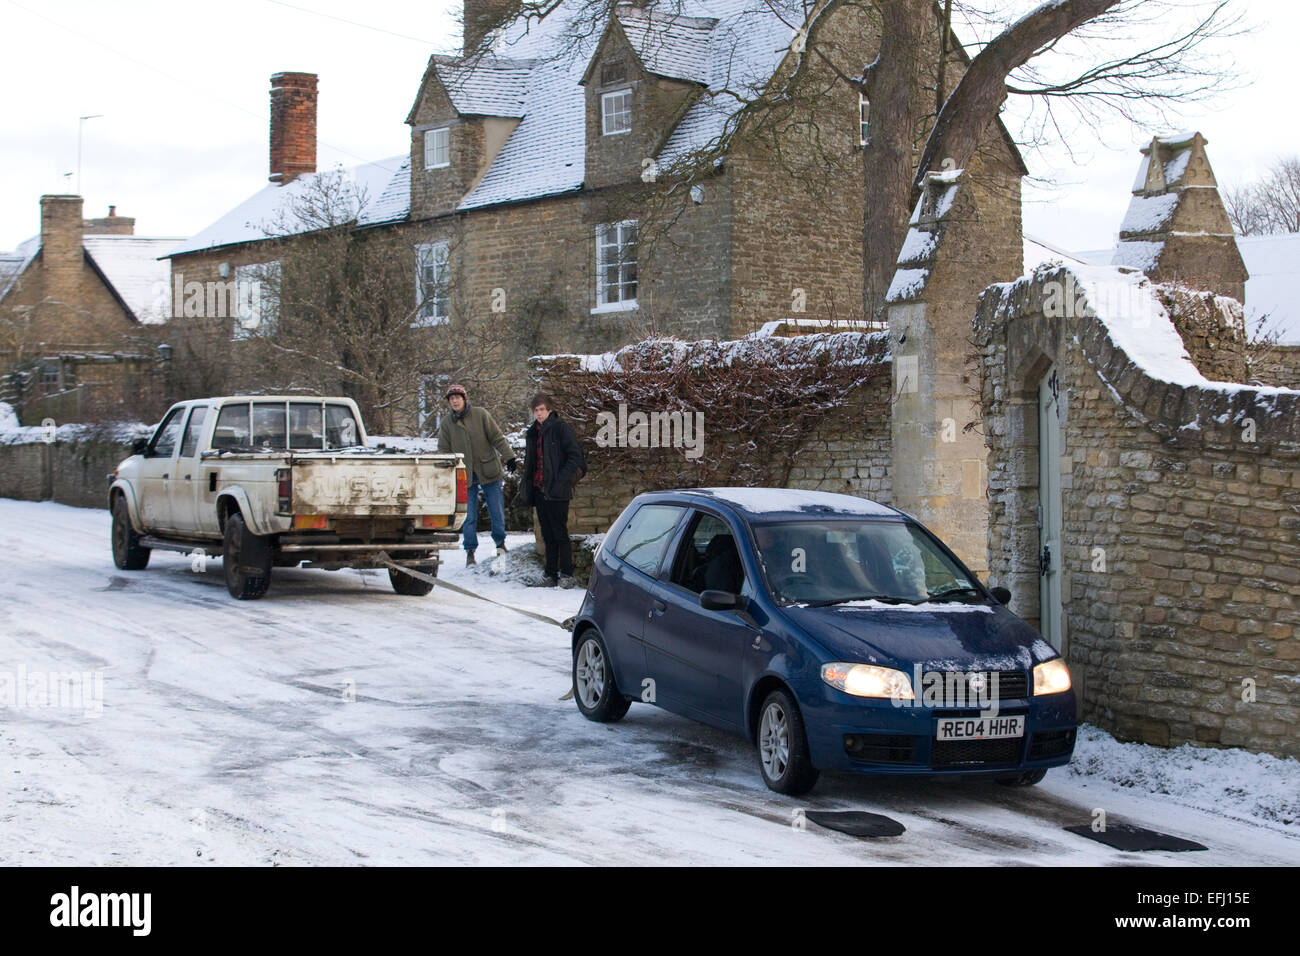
pixel 783 756
pixel 594 689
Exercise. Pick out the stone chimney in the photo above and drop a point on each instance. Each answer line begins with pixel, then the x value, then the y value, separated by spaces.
pixel 1176 228
pixel 62 256
pixel 293 126
pixel 481 16
pixel 110 225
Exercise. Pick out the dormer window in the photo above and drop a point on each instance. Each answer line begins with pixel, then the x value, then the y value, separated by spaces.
pixel 437 148
pixel 864 114
pixel 616 112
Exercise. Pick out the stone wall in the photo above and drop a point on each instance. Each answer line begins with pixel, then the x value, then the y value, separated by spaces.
pixel 71 471
pixel 1181 504
pixel 1278 365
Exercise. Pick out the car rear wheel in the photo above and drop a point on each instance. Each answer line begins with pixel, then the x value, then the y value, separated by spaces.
pixel 594 688
pixel 403 583
pixel 127 553
pixel 783 756
pixel 246 559
pixel 1026 779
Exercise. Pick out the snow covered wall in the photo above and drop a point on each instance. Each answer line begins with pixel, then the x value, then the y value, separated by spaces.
pixel 1180 545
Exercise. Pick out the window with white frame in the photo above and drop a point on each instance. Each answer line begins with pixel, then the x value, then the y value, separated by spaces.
pixel 616 112
pixel 437 147
pixel 255 300
pixel 616 266
pixel 432 284
pixel 864 115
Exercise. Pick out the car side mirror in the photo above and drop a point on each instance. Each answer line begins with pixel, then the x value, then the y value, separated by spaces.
pixel 1001 595
pixel 721 601
pixel 139 446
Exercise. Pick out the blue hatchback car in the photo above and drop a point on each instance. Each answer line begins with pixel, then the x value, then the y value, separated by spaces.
pixel 835 632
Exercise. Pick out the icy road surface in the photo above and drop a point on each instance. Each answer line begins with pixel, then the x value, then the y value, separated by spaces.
pixel 227 737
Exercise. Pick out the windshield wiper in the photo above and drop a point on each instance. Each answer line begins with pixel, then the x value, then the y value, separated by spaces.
pixel 952 594
pixel 883 598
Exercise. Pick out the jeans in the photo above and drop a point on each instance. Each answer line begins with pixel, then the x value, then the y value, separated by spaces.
pixel 496 511
pixel 553 516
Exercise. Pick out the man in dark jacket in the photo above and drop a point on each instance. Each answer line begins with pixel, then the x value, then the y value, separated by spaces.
pixel 472 433
pixel 553 460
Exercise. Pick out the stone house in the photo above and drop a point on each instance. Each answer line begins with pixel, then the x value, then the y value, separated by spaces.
pixel 532 197
pixel 72 301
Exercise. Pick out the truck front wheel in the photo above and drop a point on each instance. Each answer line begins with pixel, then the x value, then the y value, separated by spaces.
pixel 127 553
pixel 246 558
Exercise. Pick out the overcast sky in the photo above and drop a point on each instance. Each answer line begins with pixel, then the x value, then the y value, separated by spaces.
pixel 183 92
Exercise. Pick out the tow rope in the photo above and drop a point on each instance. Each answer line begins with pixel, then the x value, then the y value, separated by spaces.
pixel 384 559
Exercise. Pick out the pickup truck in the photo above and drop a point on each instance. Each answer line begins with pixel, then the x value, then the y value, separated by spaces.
pixel 278 481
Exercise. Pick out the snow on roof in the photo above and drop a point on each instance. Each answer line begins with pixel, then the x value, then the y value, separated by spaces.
pixel 673 46
pixel 1039 250
pixel 132 266
pixel 1273 289
pixel 746 45
pixel 1137 254
pixel 772 501
pixel 490 87
pixel 260 216
pixel 1149 213
pixel 13 264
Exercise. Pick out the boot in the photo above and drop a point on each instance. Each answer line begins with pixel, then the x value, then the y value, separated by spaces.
pixel 501 548
pixel 568 581
pixel 469 559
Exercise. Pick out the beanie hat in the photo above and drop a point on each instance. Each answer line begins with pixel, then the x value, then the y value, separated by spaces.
pixel 457 390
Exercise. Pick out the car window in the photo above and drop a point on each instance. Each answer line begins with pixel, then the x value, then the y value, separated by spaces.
pixel 269 425
pixel 829 560
pixel 643 541
pixel 164 440
pixel 191 441
pixel 341 429
pixel 232 428
pixel 708 559
pixel 306 425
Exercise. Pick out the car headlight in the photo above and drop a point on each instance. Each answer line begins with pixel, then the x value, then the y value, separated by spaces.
pixel 868 680
pixel 1051 677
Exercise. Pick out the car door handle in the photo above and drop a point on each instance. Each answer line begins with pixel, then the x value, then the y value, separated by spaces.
pixel 187 477
pixel 658 607
pixel 166 475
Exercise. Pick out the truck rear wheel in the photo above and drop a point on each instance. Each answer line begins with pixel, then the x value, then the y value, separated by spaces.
pixel 246 559
pixel 127 553
pixel 403 583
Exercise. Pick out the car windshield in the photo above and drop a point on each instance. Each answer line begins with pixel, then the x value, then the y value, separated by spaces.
pixel 836 561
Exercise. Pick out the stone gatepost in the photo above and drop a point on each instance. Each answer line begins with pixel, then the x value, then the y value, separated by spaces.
pixel 951 253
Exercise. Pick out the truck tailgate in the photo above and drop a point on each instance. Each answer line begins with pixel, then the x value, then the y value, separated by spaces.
pixel 380 485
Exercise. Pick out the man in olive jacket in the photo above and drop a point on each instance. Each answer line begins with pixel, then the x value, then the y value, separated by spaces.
pixel 471 432
pixel 553 461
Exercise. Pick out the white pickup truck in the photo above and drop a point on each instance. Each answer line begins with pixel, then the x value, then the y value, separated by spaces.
pixel 275 481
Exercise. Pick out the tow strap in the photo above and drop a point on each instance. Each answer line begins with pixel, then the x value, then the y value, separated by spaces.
pixel 384 559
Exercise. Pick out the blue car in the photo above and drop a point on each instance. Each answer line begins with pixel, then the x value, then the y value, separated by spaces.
pixel 834 632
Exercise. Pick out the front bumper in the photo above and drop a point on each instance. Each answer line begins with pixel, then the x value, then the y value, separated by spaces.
pixel 878 737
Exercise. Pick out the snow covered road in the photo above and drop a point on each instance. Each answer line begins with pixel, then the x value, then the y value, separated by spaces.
pixel 229 735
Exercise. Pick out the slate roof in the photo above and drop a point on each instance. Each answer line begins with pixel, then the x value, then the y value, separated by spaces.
pixel 130 264
pixel 260 216
pixel 673 46
pixel 495 87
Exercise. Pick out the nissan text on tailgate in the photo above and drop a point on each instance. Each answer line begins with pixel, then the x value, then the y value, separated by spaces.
pixel 267 481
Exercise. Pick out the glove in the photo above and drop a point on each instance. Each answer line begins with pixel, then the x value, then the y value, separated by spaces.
pixel 512 465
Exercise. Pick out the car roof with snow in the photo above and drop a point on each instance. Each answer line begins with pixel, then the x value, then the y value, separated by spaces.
pixel 777 504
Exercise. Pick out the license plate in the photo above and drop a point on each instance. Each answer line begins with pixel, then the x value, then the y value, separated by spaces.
pixel 979 728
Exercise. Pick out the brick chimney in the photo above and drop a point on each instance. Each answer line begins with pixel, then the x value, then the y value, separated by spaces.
pixel 110 225
pixel 61 252
pixel 293 126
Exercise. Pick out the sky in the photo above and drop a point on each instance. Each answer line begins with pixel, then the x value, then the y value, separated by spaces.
pixel 182 93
